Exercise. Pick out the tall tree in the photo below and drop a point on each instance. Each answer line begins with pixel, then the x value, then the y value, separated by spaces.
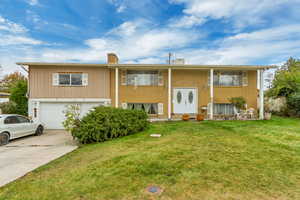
pixel 19 97
pixel 10 80
pixel 286 80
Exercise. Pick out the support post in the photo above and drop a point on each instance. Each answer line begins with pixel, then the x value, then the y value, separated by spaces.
pixel 211 94
pixel 261 94
pixel 117 87
pixel 169 93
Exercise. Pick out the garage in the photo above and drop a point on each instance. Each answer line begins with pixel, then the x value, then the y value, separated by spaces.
pixel 52 113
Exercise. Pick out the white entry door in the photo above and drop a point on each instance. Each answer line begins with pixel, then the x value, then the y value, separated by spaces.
pixel 184 101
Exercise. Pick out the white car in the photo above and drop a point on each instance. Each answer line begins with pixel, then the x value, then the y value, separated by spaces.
pixel 15 126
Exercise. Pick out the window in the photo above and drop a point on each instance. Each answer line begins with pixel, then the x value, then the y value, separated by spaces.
pixel 223 109
pixel 70 79
pixel 228 78
pixel 136 77
pixel 11 120
pixel 150 108
pixel 23 119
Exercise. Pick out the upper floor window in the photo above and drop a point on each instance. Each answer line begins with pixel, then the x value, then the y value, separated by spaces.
pixel 70 79
pixel 139 77
pixel 228 78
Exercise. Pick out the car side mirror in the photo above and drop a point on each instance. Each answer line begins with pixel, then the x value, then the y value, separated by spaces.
pixel 31 121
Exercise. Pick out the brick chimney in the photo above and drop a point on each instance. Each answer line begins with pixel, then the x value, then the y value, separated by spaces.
pixel 112 58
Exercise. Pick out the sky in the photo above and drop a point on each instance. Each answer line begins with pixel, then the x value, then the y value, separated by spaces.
pixel 252 32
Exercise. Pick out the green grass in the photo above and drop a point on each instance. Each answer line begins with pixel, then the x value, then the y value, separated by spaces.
pixel 207 160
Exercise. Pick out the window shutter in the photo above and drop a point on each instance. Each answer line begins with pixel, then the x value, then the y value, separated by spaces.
pixel 245 78
pixel 160 78
pixel 160 108
pixel 55 79
pixel 209 108
pixel 124 105
pixel 85 78
pixel 123 77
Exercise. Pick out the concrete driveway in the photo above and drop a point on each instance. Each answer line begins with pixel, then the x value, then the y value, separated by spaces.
pixel 23 155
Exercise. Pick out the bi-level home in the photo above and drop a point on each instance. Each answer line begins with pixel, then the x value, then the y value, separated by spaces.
pixel 164 91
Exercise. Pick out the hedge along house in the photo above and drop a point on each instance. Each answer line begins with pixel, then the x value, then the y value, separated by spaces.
pixel 164 91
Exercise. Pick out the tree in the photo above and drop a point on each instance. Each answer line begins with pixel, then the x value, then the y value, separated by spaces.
pixel 19 96
pixel 10 80
pixel 286 80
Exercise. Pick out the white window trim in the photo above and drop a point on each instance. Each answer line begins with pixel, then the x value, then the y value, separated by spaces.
pixel 222 85
pixel 145 103
pixel 70 74
pixel 159 78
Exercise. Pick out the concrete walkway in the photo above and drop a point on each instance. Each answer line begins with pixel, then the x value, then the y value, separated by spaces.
pixel 23 155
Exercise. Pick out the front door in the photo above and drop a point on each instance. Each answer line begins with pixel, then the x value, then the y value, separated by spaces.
pixel 184 101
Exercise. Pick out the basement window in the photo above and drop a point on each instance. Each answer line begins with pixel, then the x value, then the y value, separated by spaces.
pixel 149 108
pixel 223 109
pixel 70 79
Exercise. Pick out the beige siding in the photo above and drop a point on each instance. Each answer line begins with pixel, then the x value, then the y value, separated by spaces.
pixel 184 79
pixel 142 94
pixel 40 78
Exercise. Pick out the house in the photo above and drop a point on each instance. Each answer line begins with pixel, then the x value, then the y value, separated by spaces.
pixel 164 91
pixel 4 97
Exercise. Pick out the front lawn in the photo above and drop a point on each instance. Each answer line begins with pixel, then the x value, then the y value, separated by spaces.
pixel 207 160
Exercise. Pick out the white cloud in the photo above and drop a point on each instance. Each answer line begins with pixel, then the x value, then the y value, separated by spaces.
pixel 121 8
pixel 186 21
pixel 119 4
pixel 273 44
pixel 152 46
pixel 126 29
pixel 242 13
pixel 7 40
pixel 33 2
pixel 138 43
pixel 12 33
pixel 15 44
pixel 11 27
pixel 143 44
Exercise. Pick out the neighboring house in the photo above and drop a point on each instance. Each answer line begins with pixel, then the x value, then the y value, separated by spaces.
pixel 4 97
pixel 164 91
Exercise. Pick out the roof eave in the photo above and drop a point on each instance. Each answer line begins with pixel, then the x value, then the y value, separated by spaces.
pixel 150 66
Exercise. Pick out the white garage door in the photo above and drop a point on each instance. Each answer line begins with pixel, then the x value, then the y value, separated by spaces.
pixel 51 114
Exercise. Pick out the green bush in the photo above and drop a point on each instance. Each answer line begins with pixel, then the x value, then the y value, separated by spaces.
pixel 238 102
pixel 18 96
pixel 293 102
pixel 105 123
pixel 8 107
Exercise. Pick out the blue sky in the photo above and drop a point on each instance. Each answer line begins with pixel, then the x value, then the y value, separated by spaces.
pixel 144 31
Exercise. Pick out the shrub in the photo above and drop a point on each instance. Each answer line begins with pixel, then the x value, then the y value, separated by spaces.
pixel 105 123
pixel 293 102
pixel 238 102
pixel 8 107
pixel 72 114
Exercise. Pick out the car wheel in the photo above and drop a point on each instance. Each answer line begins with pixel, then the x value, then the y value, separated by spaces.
pixel 39 130
pixel 4 138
